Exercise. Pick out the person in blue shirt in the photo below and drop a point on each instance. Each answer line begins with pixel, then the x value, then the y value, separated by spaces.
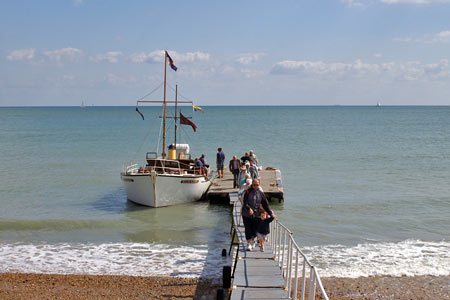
pixel 219 162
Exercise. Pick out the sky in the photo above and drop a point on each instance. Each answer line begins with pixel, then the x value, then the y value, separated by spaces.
pixel 304 52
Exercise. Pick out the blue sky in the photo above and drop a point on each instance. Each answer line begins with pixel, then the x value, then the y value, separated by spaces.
pixel 321 52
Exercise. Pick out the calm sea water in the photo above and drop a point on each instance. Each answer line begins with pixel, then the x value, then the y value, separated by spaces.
pixel 367 189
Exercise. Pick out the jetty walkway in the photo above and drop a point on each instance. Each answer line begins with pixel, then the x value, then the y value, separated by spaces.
pixel 272 274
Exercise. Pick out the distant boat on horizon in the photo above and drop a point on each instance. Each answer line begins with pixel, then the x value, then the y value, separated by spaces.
pixel 378 104
pixel 82 104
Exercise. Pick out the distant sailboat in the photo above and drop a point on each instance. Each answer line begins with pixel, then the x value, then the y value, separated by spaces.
pixel 378 104
pixel 82 104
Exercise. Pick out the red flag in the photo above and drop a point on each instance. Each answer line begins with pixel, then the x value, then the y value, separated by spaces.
pixel 186 121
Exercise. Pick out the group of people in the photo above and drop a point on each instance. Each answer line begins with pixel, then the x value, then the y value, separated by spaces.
pixel 200 163
pixel 242 170
pixel 256 212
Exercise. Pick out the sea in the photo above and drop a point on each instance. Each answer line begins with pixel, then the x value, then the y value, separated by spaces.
pixel 367 189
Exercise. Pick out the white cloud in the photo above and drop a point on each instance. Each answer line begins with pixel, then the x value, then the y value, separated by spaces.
pixel 111 56
pixel 409 71
pixel 21 54
pixel 438 70
pixel 366 3
pixel 249 73
pixel 191 56
pixel 414 1
pixel 321 68
pixel 440 37
pixel 64 54
pixel 116 80
pixel 155 56
pixel 158 56
pixel 354 3
pixel 249 58
pixel 378 55
pixel 78 2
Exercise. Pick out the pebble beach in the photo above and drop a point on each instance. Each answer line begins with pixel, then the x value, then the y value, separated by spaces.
pixel 57 286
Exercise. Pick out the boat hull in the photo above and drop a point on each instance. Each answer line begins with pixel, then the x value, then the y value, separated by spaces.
pixel 158 190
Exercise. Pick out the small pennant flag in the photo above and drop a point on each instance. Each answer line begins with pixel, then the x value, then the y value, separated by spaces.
pixel 196 108
pixel 172 65
pixel 140 113
pixel 186 121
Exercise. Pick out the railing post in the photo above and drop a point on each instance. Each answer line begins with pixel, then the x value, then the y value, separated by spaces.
pixel 274 239
pixel 289 265
pixel 296 274
pixel 277 249
pixel 282 254
pixel 312 285
pixel 303 279
pixel 281 248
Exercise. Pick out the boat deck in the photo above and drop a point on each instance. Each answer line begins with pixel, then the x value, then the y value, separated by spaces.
pixel 270 182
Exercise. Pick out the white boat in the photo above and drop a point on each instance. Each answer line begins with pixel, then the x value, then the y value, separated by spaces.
pixel 378 104
pixel 164 181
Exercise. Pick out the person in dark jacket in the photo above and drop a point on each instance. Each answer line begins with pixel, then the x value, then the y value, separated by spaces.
pixel 253 198
pixel 263 228
pixel 245 158
pixel 235 165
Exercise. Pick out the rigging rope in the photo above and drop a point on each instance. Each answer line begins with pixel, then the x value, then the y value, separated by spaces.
pixel 143 141
pixel 179 94
pixel 154 90
pixel 160 129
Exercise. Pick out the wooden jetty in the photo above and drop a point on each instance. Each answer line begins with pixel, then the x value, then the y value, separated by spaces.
pixel 270 180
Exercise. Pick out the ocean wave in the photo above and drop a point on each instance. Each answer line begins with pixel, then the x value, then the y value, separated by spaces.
pixel 409 257
pixel 135 259
pixel 405 258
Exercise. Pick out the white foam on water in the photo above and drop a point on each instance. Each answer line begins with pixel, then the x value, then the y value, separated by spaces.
pixel 409 257
pixel 136 259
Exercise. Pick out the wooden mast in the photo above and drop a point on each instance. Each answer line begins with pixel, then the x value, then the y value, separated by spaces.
pixel 176 111
pixel 164 114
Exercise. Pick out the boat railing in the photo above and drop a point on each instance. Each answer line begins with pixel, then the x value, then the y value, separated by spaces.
pixel 169 166
pixel 130 167
pixel 153 154
pixel 161 166
pixel 291 259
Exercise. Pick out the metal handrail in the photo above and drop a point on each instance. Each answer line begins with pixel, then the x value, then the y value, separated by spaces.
pixel 288 255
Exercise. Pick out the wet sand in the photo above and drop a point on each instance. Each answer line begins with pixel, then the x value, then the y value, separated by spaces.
pixel 53 286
